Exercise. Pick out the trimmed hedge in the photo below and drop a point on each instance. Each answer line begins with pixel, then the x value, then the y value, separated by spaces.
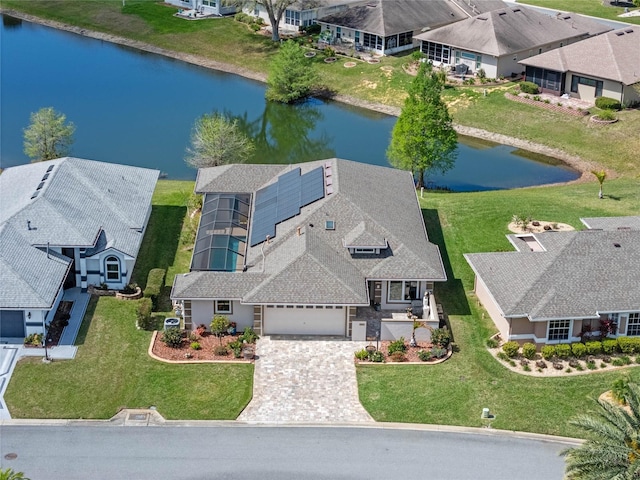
pixel 594 348
pixel 579 350
pixel 607 103
pixel 529 351
pixel 563 350
pixel 629 345
pixel 529 87
pixel 511 349
pixel 610 346
pixel 548 352
pixel 155 282
pixel 143 314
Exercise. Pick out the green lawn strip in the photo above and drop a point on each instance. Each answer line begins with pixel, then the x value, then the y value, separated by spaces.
pixel 228 41
pixel 112 369
pixel 456 391
pixel 595 8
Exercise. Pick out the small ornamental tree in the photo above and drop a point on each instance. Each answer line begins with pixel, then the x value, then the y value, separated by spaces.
pixel 601 175
pixel 48 135
pixel 291 76
pixel 219 326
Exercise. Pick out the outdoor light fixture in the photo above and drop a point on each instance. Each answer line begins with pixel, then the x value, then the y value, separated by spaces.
pixel 29 315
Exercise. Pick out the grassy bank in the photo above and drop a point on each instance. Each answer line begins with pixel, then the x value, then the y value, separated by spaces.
pixel 225 40
pixel 456 391
pixel 112 369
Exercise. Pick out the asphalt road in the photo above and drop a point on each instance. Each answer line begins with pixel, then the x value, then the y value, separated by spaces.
pixel 270 453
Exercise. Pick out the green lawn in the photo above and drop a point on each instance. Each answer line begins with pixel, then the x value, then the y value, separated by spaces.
pixel 112 368
pixel 595 8
pixel 455 392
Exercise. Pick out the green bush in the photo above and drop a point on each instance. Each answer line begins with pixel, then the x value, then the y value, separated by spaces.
pixel 424 355
pixel 548 352
pixel 529 87
pixel 144 320
pixel 607 103
pixel 620 389
pixel 606 115
pixel 362 354
pixel 528 351
pixel 172 337
pixel 236 348
pixel 155 282
pixel 609 346
pixel 221 350
pixel 312 29
pixel 248 336
pixel 563 350
pixel 440 337
pixel 397 346
pixel 33 339
pixel 511 349
pixel 594 348
pixel 438 352
pixel 195 346
pixel 377 356
pixel 579 350
pixel 503 356
pixel 629 345
pixel 492 343
pixel 219 326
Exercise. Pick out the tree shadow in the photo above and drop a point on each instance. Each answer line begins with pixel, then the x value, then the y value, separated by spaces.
pixel 450 294
pixel 613 197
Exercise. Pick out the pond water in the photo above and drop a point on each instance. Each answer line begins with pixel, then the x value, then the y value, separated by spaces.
pixel 137 108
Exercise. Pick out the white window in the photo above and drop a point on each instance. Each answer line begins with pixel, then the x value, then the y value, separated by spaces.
pixel 401 291
pixel 558 330
pixel 364 250
pixel 436 52
pixel 223 306
pixel 633 324
pixel 112 267
pixel 292 17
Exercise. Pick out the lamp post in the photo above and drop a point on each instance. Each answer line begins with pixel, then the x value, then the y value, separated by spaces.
pixel 46 359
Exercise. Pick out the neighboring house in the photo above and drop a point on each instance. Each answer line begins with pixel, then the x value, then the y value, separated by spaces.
pixel 301 13
pixel 558 285
pixel 205 7
pixel 496 41
pixel 295 249
pixel 66 223
pixel 604 66
pixel 385 27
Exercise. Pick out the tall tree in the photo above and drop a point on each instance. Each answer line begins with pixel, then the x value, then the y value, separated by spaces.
pixel 291 75
pixel 423 138
pixel 612 451
pixel 217 141
pixel 48 135
pixel 275 10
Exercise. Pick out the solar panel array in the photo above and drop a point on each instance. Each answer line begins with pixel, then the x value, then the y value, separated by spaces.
pixel 283 199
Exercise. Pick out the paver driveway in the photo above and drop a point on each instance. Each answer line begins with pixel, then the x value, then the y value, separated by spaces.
pixel 303 380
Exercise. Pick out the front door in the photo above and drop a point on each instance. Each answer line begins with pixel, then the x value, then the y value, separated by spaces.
pixel 70 281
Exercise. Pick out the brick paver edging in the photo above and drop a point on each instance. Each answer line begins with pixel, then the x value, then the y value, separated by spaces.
pixel 549 106
pixel 160 359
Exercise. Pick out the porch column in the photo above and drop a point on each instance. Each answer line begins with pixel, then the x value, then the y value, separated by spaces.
pixel 83 270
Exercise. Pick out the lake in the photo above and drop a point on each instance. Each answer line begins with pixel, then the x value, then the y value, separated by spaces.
pixel 138 108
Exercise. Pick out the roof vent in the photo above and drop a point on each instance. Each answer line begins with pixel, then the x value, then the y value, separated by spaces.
pixel 617 245
pixel 330 225
pixel 516 10
pixel 40 186
pixel 502 13
pixel 35 194
pixel 629 30
pixel 50 168
pixel 619 33
pixel 46 175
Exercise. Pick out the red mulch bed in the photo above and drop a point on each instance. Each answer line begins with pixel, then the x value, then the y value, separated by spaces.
pixel 207 343
pixel 411 354
pixel 54 332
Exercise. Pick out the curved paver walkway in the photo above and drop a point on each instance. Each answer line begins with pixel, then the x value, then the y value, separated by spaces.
pixel 305 381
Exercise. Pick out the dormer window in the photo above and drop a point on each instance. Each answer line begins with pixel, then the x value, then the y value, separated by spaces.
pixel 330 225
pixel 366 250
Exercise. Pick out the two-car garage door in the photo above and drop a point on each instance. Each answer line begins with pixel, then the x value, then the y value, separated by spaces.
pixel 284 320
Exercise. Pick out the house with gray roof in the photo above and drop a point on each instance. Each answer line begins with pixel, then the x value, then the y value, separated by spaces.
pixel 604 66
pixel 497 40
pixel 295 249
pixel 205 7
pixel 385 27
pixel 558 286
pixel 66 223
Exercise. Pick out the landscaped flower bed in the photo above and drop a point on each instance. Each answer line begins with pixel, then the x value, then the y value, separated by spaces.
pixel 401 351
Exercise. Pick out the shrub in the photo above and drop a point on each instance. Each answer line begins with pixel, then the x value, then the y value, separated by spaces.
pixel 529 350
pixel 248 336
pixel 537 98
pixel 620 389
pixel 255 27
pixel 377 357
pixel 629 345
pixel 172 337
pixel 511 348
pixel 579 350
pixel 424 355
pixel 219 326
pixel 221 350
pixel 503 356
pixel 193 337
pixel 607 103
pixel 610 346
pixel 129 288
pixel 200 329
pixel 33 339
pixel 492 343
pixel 155 281
pixel 144 320
pixel 362 354
pixel 440 337
pixel 526 368
pixel 397 346
pixel 313 29
pixel 398 356
pixel 548 351
pixel 529 87
pixel 481 73
pixel 236 348
pixel 195 346
pixel 591 365
pixel 619 362
pixel 563 350
pixel 593 348
pixel 438 352
pixel 606 115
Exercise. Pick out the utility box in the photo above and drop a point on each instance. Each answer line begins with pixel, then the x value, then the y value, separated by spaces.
pixel 171 322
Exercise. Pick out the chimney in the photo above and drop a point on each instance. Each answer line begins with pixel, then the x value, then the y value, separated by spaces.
pixel 299 231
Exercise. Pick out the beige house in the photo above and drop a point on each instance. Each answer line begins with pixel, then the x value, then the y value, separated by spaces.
pixel 604 66
pixel 498 40
pixel 557 286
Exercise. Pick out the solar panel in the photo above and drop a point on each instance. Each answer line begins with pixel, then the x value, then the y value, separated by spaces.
pixel 312 187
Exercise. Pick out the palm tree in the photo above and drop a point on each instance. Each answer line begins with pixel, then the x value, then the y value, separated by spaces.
pixel 613 450
pixel 10 474
pixel 600 175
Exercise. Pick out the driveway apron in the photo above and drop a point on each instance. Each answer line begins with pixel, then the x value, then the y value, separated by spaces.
pixel 302 380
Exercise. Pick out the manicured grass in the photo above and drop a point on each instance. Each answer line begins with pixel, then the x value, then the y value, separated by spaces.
pixel 225 40
pixel 456 391
pixel 595 8
pixel 112 368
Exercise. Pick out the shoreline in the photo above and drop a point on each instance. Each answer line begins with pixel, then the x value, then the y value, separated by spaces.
pixel 583 167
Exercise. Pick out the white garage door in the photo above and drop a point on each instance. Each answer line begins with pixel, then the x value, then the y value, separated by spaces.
pixel 304 321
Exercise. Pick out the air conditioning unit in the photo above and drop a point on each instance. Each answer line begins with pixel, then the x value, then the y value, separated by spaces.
pixel 171 322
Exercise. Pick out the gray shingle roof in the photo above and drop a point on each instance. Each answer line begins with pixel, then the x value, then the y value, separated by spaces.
pixel 612 223
pixel 617 53
pixel 315 266
pixel 580 274
pixel 510 30
pixel 77 201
